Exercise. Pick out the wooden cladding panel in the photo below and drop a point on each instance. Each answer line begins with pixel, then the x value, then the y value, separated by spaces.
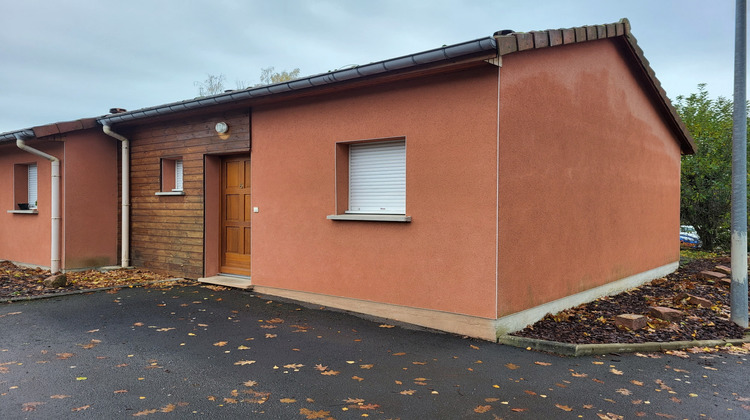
pixel 167 231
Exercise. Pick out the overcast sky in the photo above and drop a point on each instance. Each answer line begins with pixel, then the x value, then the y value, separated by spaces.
pixel 64 60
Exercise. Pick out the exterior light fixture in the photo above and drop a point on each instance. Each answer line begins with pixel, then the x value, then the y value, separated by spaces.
pixel 221 127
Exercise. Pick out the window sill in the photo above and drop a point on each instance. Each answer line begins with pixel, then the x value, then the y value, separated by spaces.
pixel 170 193
pixel 371 217
pixel 34 211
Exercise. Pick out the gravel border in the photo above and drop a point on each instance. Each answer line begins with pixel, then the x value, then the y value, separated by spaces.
pixel 576 350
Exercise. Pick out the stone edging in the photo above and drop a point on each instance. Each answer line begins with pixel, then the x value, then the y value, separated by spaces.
pixel 575 350
pixel 82 291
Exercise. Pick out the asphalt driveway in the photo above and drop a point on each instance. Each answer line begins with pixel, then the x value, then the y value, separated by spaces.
pixel 195 351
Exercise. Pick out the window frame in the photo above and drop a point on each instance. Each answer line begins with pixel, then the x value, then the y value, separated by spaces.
pixel 343 184
pixel 172 173
pixel 25 187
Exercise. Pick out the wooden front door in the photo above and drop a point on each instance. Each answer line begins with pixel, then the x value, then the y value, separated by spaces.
pixel 235 215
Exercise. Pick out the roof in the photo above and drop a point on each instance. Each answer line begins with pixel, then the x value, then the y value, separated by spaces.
pixel 49 129
pixel 509 42
pixel 502 43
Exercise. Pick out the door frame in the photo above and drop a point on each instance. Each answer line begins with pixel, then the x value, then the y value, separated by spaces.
pixel 212 211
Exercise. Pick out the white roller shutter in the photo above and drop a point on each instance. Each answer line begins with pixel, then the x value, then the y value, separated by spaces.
pixel 177 175
pixel 377 177
pixel 32 177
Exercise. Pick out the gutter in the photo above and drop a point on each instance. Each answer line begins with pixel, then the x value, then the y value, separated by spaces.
pixel 125 239
pixel 478 48
pixel 55 201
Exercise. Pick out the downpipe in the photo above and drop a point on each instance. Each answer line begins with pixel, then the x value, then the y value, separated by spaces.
pixel 55 204
pixel 125 227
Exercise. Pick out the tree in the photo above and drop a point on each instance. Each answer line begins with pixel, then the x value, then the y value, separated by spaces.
pixel 706 176
pixel 268 77
pixel 213 85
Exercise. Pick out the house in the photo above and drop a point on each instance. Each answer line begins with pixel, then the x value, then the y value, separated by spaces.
pixel 59 196
pixel 472 188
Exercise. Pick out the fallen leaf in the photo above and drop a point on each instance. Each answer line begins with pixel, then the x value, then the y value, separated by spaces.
pixel 668 416
pixel 294 366
pixel 512 366
pixel 81 378
pixel 288 400
pixel 220 343
pixel 398 354
pixel 609 416
pixel 580 375
pixel 615 371
pixel 243 348
pixel 634 382
pixel 230 400
pixel 519 410
pixel 408 392
pixel 352 401
pixel 474 347
pixel 563 407
pixel 59 396
pixel 368 406
pixel 244 362
pixel 529 392
pixel 491 399
pixel 166 329
pixel 120 391
pixel 80 408
pixel 365 366
pixel 138 324
pixel 482 408
pixel 167 408
pixel 314 414
pixel 357 378
pixel 63 356
pixel 330 373
pixel 250 383
pixel 542 363
pixel 385 326
pixel 624 391
pixel 30 406
pixel 321 367
pixel 271 335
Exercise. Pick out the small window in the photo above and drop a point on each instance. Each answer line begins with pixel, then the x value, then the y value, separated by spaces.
pixel 25 186
pixel 171 176
pixel 377 177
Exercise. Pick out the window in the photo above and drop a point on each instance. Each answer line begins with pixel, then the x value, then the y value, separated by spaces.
pixel 25 188
pixel 371 181
pixel 171 176
pixel 377 178
pixel 32 185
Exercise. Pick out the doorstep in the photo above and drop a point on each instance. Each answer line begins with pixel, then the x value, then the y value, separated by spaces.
pixel 238 282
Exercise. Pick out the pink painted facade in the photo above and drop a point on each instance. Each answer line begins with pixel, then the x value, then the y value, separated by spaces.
pixel 541 170
pixel 88 191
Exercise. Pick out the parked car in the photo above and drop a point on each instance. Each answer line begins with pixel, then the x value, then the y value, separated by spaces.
pixel 689 237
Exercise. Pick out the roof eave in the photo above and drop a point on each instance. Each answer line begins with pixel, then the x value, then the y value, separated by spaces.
pixel 478 49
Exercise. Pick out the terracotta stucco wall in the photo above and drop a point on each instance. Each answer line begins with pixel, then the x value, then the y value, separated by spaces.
pixel 25 238
pixel 90 211
pixel 445 258
pixel 589 175
pixel 167 232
